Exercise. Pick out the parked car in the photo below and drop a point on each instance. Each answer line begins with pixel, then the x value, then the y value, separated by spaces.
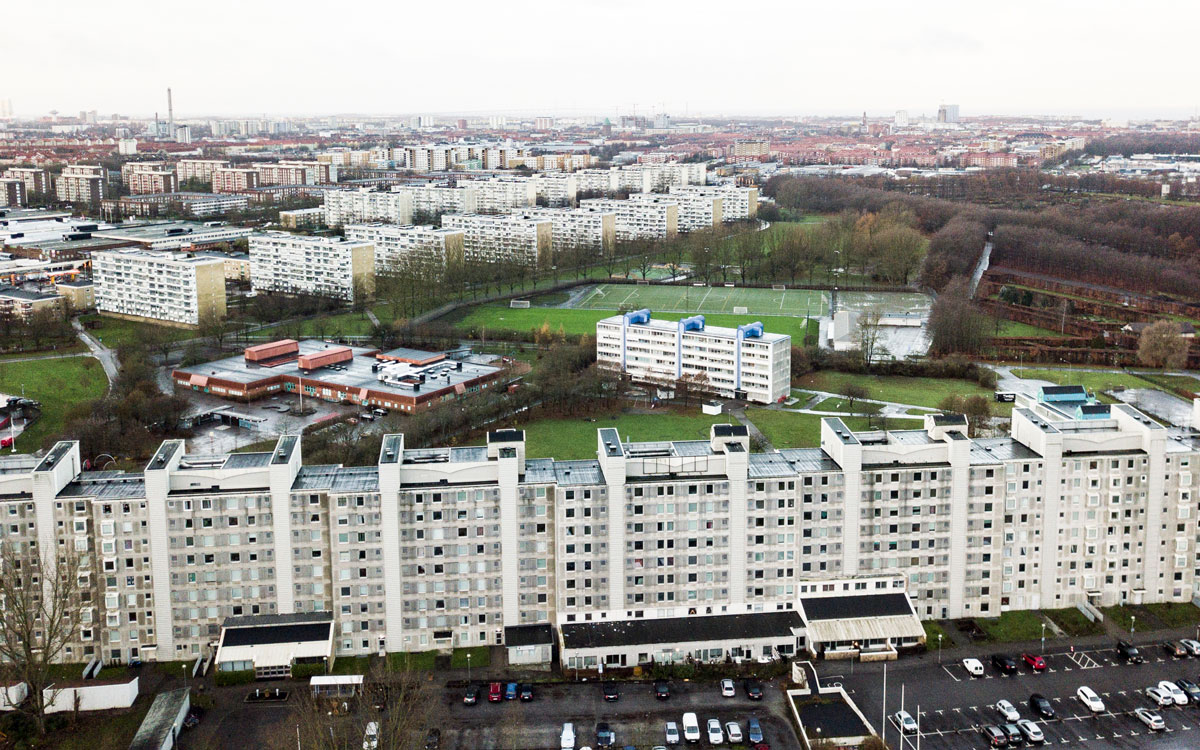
pixel 672 732
pixel 691 727
pixel 754 730
pixel 510 691
pixel 662 690
pixel 1189 687
pixel 1178 697
pixel 1158 697
pixel 1175 649
pixel 715 734
pixel 433 739
pixel 1088 697
pixel 1007 710
pixel 471 695
pixel 1032 732
pixel 1042 706
pixel 1034 662
pixel 906 722
pixel 566 740
pixel 191 721
pixel 754 689
pixel 495 692
pixel 1192 646
pixel 733 731
pixel 1126 651
pixel 611 692
pixel 727 688
pixel 995 735
pixel 1004 663
pixel 1013 734
pixel 1152 720
pixel 371 736
pixel 604 735
pixel 525 693
pixel 974 667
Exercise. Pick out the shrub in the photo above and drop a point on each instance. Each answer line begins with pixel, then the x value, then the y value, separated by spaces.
pixel 305 671
pixel 238 677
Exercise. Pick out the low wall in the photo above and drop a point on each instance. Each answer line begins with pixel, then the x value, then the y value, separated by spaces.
pixel 93 695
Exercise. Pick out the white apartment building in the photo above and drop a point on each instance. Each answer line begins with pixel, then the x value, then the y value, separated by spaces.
pixel 173 288
pixel 199 169
pixel 431 200
pixel 555 190
pixel 426 158
pixel 596 181
pixel 590 228
pixel 524 238
pixel 502 195
pixel 652 217
pixel 473 545
pixel 81 183
pixel 362 205
pixel 393 242
pixel 744 362
pixel 696 212
pixel 151 181
pixel 323 266
pixel 736 202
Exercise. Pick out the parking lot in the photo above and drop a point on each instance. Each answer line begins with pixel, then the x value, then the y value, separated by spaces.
pixel 952 705
pixel 637 718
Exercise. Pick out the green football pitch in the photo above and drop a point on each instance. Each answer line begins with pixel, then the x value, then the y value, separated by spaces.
pixel 706 299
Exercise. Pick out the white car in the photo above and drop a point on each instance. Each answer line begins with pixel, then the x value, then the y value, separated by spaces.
pixel 733 731
pixel 974 667
pixel 1008 711
pixel 371 736
pixel 1031 731
pixel 715 735
pixel 1088 697
pixel 566 741
pixel 1159 698
pixel 1153 721
pixel 727 688
pixel 1192 646
pixel 906 722
pixel 1178 696
pixel 672 733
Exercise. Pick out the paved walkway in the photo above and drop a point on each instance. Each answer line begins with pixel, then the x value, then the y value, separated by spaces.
pixel 107 357
pixel 739 414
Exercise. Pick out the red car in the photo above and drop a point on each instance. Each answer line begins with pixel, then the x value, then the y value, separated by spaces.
pixel 495 692
pixel 1034 662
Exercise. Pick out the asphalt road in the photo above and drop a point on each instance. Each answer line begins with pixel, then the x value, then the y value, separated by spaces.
pixel 952 705
pixel 637 718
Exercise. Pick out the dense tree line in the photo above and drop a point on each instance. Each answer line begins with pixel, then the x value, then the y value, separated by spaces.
pixel 1144 143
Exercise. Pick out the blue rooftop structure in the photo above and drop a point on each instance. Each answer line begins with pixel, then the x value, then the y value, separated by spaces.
pixel 1063 394
pixel 1093 411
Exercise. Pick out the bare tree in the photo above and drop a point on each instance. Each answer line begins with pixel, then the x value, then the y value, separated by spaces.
pixel 40 618
pixel 1162 345
pixel 868 338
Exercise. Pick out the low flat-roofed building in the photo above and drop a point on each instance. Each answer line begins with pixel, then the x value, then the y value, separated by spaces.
pixel 302 218
pixel 21 303
pixel 271 644
pixel 163 722
pixel 152 204
pixel 529 644
pixel 174 235
pixel 852 623
pixel 79 293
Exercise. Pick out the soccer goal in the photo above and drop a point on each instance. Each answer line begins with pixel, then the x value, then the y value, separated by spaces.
pixel 519 304
pixel 741 310
pixel 643 282
pixel 779 287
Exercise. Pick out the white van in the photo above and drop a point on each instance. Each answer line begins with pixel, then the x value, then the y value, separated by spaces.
pixel 691 728
pixel 568 737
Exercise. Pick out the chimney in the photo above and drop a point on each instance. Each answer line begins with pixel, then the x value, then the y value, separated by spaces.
pixel 170 117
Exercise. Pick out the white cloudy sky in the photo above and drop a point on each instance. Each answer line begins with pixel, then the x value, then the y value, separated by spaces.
pixel 1126 58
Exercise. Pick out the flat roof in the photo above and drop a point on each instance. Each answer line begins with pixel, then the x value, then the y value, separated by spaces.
pixel 715 331
pixel 529 635
pixel 851 606
pixel 611 634
pixel 160 719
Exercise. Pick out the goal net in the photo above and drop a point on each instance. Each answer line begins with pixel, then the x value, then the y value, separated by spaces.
pixel 740 310
pixel 778 287
pixel 519 304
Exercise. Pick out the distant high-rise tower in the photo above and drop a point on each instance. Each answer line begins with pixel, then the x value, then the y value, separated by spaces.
pixel 947 113
pixel 6 108
pixel 901 119
pixel 170 115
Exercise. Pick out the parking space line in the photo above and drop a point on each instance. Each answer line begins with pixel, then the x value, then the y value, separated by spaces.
pixel 950 673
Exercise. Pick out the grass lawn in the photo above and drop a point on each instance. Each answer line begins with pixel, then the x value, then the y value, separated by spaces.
pixel 58 384
pixel 1096 382
pixel 789 429
pixel 420 661
pixel 932 631
pixel 106 731
pixel 325 326
pixel 115 332
pixel 576 438
pixel 1013 328
pixel 1175 614
pixel 351 665
pixel 1183 382
pixel 577 322
pixel 1023 625
pixel 481 656
pixel 915 391
pixel 1122 616
pixel 1072 621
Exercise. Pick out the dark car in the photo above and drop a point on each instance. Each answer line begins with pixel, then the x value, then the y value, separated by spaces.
pixel 604 735
pixel 526 693
pixel 754 689
pixel 611 692
pixel 1005 663
pixel 1034 662
pixel 471 696
pixel 1191 688
pixel 495 692
pixel 995 735
pixel 1175 649
pixel 662 690
pixel 1041 706
pixel 433 740
pixel 510 691
pixel 1126 651
pixel 1013 733
pixel 191 722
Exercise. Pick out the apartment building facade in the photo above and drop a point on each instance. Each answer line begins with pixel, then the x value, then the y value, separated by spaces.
pixel 554 190
pixel 746 362
pixel 199 169
pixel 502 195
pixel 296 173
pixel 429 200
pixel 652 217
pixel 81 183
pixel 171 288
pixel 364 205
pixel 36 181
pixel 445 547
pixel 12 193
pixel 736 202
pixel 234 180
pixel 696 212
pixel 323 266
pixel 152 181
pixel 572 229
pixel 394 242
pixel 523 238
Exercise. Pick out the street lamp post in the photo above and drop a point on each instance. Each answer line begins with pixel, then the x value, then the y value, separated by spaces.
pixel 1132 622
pixel 468 667
pixel 939 648
pixel 1043 637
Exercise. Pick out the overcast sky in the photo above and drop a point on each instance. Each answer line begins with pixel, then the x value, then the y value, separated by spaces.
pixel 571 57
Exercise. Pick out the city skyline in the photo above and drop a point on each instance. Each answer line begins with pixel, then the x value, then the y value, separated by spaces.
pixel 855 60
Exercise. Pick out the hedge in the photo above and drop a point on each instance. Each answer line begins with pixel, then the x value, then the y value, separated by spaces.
pixel 238 677
pixel 304 671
